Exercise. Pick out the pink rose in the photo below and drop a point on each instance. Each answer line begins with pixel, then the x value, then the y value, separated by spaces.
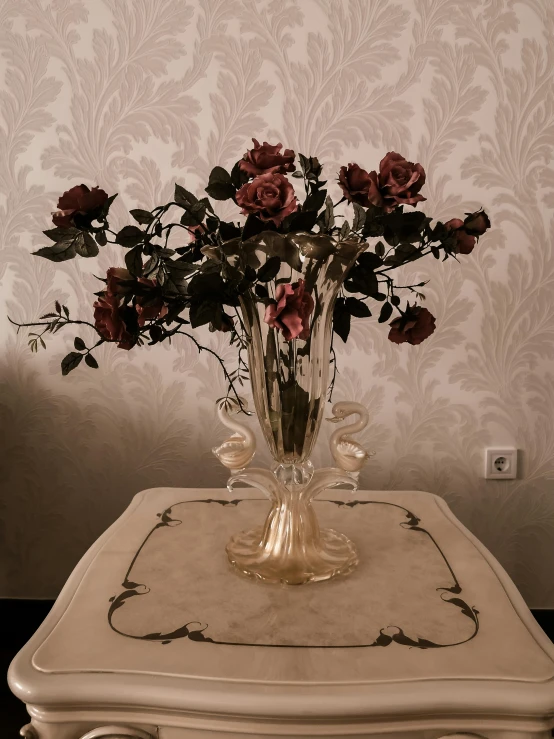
pixel 400 181
pixel 291 311
pixel 360 186
pixel 79 206
pixel 266 158
pixel 271 196
pixel 109 322
pixel 464 241
pixel 414 326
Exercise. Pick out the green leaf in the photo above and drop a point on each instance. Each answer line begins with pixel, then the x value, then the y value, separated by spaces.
pixel 252 227
pixel 261 291
pixel 194 214
pixel 87 247
pixel 269 270
pixel 357 308
pixel 203 312
pixel 435 252
pixel 91 361
pixel 361 280
pixel 61 233
pixel 70 362
pixel 183 197
pixel 359 217
pixel 228 231
pixel 129 236
pixel 386 312
pixel 380 249
pixel 221 191
pixel 65 248
pixel 79 344
pixel 220 184
pixel 341 319
pixel 101 238
pixel 329 217
pixel 369 261
pixel 315 199
pixel 142 216
pixel 107 205
pixel 344 231
pixel 238 177
pixel 151 266
pixel 133 261
pixel 156 333
pixel 218 174
pixel 300 221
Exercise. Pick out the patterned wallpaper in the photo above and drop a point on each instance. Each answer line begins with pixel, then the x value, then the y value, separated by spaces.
pixel 134 94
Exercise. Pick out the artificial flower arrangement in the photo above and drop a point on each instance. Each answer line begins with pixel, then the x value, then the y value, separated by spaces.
pixel 280 285
pixel 166 289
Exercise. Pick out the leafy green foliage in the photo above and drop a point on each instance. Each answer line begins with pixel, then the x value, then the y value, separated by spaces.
pixel 341 319
pixel 142 216
pixel 269 270
pixel 70 362
pixel 220 186
pixel 130 236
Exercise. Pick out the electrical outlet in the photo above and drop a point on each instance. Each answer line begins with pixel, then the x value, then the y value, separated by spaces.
pixel 501 464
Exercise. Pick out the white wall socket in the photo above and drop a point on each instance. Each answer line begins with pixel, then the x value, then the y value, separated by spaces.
pixel 501 464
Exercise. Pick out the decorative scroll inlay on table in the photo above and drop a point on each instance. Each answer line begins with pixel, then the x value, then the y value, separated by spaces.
pixel 179 584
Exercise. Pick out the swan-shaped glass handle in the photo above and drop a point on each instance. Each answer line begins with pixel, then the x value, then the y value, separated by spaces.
pixel 347 453
pixel 238 450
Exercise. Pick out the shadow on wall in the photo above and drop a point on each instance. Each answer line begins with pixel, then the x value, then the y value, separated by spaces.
pixel 70 464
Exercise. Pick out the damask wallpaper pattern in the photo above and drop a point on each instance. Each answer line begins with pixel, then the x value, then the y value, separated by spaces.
pixel 135 94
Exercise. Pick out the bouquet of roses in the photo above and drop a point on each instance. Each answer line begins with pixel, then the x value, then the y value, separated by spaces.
pixel 191 269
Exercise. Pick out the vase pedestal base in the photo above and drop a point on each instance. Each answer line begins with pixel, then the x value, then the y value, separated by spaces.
pixel 335 555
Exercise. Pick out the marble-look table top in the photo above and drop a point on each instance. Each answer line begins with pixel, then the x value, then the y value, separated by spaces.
pixel 154 621
pixel 160 596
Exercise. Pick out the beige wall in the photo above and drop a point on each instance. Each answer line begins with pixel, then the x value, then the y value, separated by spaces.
pixel 135 94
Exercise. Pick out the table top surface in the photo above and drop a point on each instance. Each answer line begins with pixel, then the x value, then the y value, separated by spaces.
pixel 155 599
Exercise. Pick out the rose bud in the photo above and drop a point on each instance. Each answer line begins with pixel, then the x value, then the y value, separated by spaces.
pixel 464 241
pixel 477 223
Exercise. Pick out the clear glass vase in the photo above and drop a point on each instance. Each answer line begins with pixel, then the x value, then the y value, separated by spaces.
pixel 290 379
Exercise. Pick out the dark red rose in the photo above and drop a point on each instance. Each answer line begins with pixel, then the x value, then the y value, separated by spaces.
pixel 119 281
pixel 291 311
pixel 271 196
pixel 414 326
pixel 360 186
pixel 109 321
pixel 400 181
pixel 264 158
pixel 464 241
pixel 149 305
pixel 79 206
pixel 477 223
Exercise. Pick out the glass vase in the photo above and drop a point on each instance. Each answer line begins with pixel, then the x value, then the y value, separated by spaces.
pixel 290 380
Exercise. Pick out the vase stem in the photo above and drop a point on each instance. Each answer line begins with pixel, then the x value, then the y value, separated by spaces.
pixel 290 547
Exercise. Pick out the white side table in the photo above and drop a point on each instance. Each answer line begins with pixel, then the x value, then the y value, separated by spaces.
pixel 154 636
